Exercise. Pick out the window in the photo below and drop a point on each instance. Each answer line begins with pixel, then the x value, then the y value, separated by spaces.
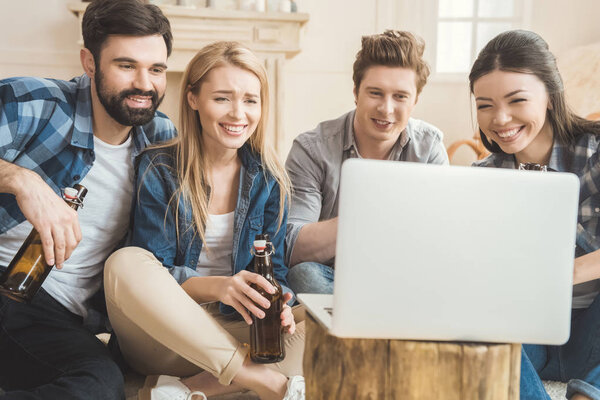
pixel 463 27
pixel 454 30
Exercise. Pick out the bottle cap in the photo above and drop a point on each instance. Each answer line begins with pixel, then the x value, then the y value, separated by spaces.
pixel 260 245
pixel 70 193
pixel 81 191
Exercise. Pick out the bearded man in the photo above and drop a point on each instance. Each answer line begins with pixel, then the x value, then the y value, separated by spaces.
pixel 54 134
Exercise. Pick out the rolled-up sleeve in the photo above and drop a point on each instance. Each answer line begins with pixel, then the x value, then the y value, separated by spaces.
pixel 438 153
pixel 307 177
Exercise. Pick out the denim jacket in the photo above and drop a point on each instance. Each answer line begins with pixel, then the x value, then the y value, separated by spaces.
pixel 257 211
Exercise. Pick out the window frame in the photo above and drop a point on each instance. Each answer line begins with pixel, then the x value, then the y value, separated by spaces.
pixel 421 17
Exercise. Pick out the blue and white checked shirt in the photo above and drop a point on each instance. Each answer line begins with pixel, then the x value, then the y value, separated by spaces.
pixel 581 159
pixel 46 126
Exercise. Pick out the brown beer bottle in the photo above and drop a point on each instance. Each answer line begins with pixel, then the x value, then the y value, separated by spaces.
pixel 266 334
pixel 28 269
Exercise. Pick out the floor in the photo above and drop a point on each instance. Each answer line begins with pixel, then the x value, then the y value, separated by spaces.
pixel 556 390
pixel 135 381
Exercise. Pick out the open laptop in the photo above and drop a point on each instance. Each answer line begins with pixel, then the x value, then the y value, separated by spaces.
pixel 451 253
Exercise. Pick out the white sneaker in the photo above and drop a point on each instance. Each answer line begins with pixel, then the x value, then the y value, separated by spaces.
pixel 295 388
pixel 165 387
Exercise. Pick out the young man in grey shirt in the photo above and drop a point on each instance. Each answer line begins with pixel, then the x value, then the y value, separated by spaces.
pixel 389 73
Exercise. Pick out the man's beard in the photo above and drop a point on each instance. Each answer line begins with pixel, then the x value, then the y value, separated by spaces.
pixel 115 103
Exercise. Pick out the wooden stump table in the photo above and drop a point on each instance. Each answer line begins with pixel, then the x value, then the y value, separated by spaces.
pixel 353 369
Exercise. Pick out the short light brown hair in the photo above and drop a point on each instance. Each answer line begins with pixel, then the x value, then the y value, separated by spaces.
pixel 391 49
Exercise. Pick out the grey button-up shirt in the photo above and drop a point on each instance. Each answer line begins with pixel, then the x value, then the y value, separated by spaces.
pixel 315 162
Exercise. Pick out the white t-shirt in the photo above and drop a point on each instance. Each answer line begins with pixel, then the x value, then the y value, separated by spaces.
pixel 104 219
pixel 216 255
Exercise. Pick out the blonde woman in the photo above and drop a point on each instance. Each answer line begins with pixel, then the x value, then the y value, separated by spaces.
pixel 201 199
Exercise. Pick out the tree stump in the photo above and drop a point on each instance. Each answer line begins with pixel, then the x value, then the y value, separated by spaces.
pixel 336 368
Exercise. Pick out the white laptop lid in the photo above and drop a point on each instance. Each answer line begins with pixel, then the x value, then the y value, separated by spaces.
pixel 454 253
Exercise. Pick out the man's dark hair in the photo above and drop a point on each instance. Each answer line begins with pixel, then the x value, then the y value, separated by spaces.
pixel 122 17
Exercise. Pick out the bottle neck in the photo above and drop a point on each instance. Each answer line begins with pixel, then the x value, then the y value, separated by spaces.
pixel 263 264
pixel 74 203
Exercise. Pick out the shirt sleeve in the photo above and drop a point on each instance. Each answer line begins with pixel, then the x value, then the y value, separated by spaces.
pixel 9 122
pixel 307 176
pixel 438 153
pixel 27 105
pixel 590 178
pixel 154 226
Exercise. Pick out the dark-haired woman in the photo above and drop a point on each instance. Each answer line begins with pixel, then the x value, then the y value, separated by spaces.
pixel 523 118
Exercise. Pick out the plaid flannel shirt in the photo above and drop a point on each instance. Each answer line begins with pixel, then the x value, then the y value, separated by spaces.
pixel 46 126
pixel 582 160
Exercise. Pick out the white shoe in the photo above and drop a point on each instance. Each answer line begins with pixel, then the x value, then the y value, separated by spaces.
pixel 295 388
pixel 165 387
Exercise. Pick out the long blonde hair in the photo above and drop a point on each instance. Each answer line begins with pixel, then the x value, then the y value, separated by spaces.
pixel 191 163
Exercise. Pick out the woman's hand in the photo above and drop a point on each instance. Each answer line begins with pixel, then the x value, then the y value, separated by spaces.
pixel 287 317
pixel 237 292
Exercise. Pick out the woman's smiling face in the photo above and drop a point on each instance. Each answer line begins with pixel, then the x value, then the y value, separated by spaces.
pixel 229 107
pixel 511 111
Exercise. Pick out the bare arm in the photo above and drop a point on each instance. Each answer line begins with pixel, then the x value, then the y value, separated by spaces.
pixel 587 267
pixel 54 220
pixel 316 242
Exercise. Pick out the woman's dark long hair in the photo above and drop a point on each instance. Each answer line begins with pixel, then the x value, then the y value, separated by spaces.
pixel 526 52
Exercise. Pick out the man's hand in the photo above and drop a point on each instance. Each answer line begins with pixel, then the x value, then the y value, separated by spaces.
pixel 55 221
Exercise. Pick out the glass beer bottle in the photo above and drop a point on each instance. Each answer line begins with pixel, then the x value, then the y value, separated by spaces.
pixel 28 269
pixel 266 334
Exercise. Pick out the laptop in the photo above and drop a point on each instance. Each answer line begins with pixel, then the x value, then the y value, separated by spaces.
pixel 429 252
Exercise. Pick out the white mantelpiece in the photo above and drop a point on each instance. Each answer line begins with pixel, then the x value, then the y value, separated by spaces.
pixel 271 36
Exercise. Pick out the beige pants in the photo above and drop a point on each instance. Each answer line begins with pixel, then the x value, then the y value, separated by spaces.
pixel 161 330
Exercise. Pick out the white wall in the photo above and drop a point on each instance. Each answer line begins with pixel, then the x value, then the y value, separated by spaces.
pixel 39 37
pixel 319 80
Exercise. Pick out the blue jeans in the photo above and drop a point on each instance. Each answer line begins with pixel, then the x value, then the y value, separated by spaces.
pixel 46 353
pixel 311 277
pixel 577 361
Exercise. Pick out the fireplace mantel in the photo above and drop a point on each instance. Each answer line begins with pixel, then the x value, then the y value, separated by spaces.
pixel 272 36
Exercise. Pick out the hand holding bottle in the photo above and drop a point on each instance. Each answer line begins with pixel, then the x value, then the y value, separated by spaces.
pixel 55 221
pixel 28 269
pixel 237 293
